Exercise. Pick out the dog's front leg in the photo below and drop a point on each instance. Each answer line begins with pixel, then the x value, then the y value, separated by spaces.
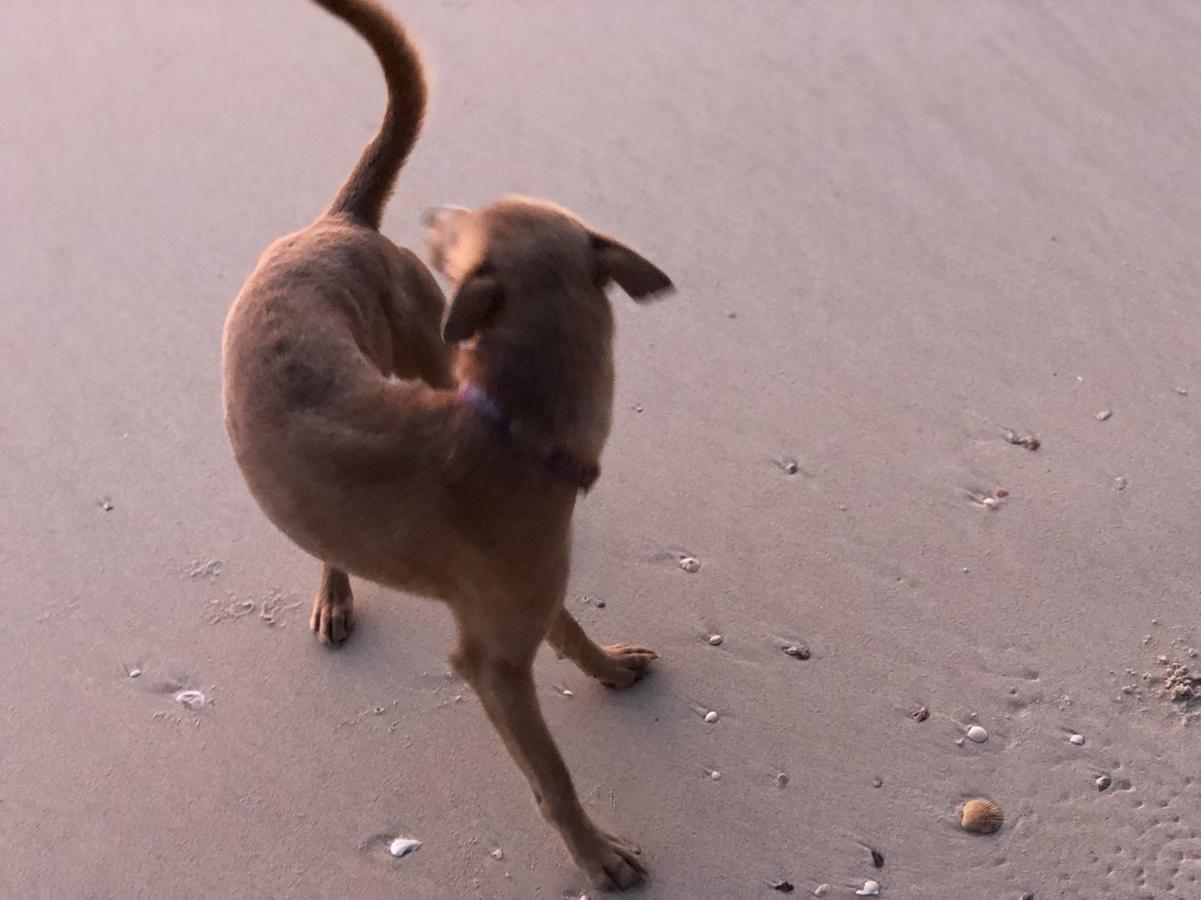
pixel 503 679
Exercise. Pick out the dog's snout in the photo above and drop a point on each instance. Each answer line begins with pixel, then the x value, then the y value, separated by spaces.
pixel 435 215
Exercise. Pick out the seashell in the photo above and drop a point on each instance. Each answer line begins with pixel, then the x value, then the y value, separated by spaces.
pixel 981 816
pixel 782 780
pixel 990 502
pixel 715 639
pixel 1000 493
pixel 1119 483
pixel 135 672
pixel 690 564
pixel 403 846
pixel 821 890
pixel 790 466
pixel 1104 414
pixel 797 651
pixel 1077 739
pixel 710 717
pixel 190 699
pixel 921 714
pixel 498 853
pixel 1103 782
pixel 870 889
pixel 977 734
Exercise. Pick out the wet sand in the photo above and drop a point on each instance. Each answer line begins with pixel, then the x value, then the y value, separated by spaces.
pixel 898 231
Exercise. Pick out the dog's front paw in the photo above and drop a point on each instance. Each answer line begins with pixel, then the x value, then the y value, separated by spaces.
pixel 332 619
pixel 612 863
pixel 627 664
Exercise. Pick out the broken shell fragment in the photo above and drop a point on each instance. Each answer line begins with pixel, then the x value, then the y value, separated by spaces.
pixel 715 639
pixel 711 717
pixel 1104 414
pixel 797 651
pixel 821 890
pixel 690 564
pixel 498 853
pixel 978 734
pixel 1103 782
pixel 870 889
pixel 981 816
pixel 921 714
pixel 403 846
pixel 190 699
pixel 1077 739
pixel 782 780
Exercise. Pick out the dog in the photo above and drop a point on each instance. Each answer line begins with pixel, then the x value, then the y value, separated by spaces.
pixel 438 448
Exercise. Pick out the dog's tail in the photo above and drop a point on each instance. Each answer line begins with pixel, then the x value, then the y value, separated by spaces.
pixel 369 185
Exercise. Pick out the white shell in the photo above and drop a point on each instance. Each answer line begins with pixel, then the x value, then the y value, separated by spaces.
pixel 977 734
pixel 498 853
pixel 870 889
pixel 1077 739
pixel 1104 414
pixel 403 846
pixel 135 672
pixel 710 717
pixel 690 564
pixel 990 502
pixel 715 639
pixel 821 890
pixel 190 699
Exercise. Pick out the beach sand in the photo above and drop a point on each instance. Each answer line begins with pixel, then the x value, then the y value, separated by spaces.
pixel 898 231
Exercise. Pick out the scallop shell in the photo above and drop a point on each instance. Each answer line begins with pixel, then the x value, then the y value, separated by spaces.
pixel 981 816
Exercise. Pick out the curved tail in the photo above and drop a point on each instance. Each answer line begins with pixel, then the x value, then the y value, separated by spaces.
pixel 369 184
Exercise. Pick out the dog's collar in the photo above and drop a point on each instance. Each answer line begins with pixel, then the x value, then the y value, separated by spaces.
pixel 559 462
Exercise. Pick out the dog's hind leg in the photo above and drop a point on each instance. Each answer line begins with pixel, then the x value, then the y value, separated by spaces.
pixel 615 665
pixel 333 609
pixel 496 660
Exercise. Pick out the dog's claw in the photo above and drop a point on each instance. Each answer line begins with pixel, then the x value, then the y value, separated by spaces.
pixel 628 664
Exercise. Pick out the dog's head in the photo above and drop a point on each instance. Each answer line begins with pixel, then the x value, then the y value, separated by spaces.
pixel 518 265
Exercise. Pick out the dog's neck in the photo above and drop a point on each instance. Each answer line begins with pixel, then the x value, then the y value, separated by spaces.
pixel 557 460
pixel 553 393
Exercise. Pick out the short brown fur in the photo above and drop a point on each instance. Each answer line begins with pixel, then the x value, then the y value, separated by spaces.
pixel 342 407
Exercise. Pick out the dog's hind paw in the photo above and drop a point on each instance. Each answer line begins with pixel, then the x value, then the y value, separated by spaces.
pixel 333 619
pixel 627 664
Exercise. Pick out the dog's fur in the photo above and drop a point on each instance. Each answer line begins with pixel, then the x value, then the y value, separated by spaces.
pixel 341 403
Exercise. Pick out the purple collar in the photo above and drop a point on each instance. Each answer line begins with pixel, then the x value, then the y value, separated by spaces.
pixel 559 462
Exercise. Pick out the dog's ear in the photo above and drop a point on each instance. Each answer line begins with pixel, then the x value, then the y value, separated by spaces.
pixel 477 298
pixel 637 276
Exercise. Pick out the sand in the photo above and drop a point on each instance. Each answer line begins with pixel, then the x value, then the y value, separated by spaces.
pixel 898 230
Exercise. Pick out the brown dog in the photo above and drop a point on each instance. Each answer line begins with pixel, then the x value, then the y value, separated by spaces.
pixel 447 473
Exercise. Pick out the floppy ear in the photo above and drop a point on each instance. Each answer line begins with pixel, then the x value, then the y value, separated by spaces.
pixel 477 298
pixel 636 275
